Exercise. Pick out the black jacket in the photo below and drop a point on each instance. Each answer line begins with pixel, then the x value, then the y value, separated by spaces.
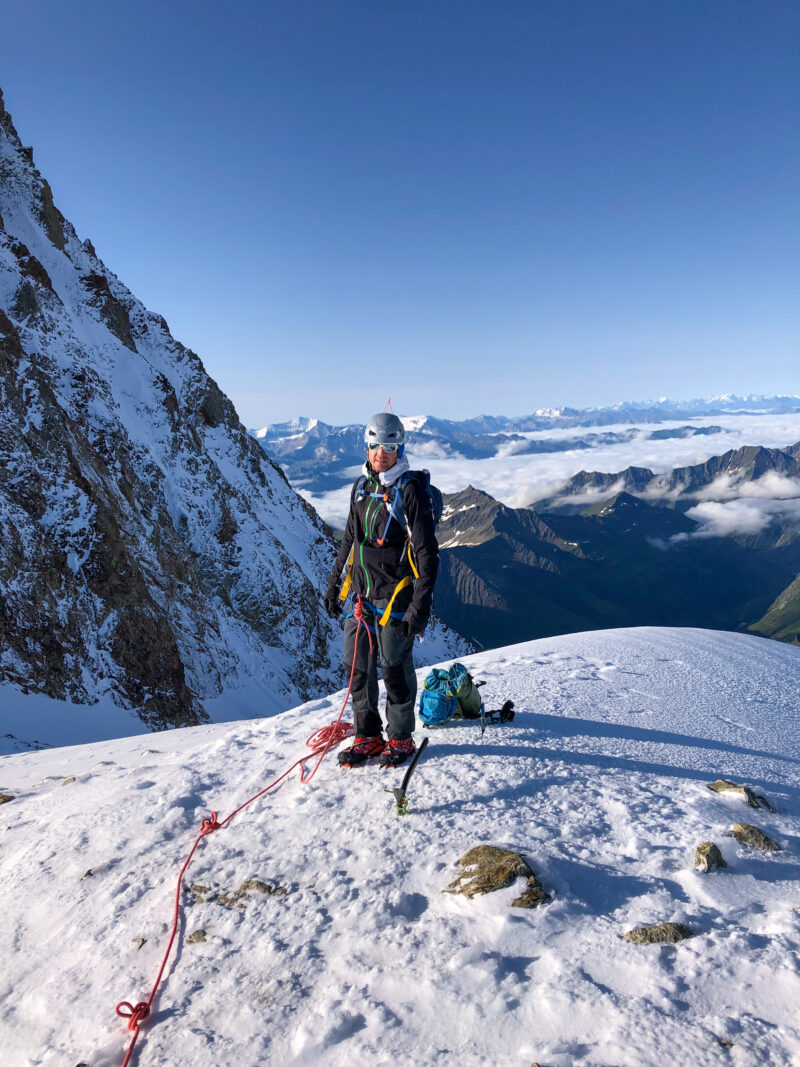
pixel 377 568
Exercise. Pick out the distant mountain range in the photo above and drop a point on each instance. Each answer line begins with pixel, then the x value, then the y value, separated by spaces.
pixel 617 548
pixel 681 486
pixel 622 560
pixel 509 575
pixel 320 457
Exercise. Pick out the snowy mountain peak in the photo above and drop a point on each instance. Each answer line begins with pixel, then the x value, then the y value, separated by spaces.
pixel 151 552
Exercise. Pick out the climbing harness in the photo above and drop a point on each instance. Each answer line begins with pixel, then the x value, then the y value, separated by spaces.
pixel 396 513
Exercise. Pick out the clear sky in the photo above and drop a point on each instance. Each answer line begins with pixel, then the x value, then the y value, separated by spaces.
pixel 469 206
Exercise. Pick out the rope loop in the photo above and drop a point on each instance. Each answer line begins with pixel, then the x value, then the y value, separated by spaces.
pixel 208 826
pixel 358 612
pixel 135 1015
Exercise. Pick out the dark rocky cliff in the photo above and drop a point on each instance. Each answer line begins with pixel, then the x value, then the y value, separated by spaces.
pixel 149 549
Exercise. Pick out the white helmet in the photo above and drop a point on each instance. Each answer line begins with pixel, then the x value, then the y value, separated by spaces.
pixel 384 429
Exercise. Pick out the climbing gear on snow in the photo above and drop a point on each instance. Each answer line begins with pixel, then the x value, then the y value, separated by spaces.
pixel 447 694
pixel 504 714
pixel 319 743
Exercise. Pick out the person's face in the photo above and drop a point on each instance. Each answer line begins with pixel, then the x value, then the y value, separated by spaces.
pixel 381 460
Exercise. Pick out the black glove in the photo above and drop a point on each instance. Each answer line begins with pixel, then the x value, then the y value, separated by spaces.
pixel 414 624
pixel 332 603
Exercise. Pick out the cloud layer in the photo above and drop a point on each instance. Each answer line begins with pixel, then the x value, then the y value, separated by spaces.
pixel 747 515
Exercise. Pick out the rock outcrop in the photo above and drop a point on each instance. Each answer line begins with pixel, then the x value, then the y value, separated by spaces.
pixel 486 868
pixel 707 856
pixel 751 835
pixel 659 934
pixel 754 800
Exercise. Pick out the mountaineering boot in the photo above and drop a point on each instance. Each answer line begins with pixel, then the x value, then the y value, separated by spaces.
pixel 362 749
pixel 397 752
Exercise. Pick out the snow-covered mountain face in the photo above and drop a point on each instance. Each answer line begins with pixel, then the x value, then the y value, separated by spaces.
pixel 149 550
pixel 304 942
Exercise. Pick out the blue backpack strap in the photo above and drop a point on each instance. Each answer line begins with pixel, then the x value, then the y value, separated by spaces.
pixel 397 510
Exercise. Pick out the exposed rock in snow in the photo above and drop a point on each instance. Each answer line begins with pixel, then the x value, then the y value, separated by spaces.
pixel 487 868
pixel 707 856
pixel 753 800
pixel 660 934
pixel 755 837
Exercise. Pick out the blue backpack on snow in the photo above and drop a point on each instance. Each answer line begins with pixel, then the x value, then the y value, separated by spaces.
pixel 449 694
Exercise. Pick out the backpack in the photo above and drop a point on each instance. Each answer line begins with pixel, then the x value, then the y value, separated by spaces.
pixel 434 495
pixel 449 694
pixel 467 693
pixel 437 701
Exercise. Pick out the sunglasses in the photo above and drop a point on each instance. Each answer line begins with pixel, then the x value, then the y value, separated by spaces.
pixel 373 447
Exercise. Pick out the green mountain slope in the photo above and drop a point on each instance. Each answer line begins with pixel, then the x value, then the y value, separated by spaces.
pixel 782 621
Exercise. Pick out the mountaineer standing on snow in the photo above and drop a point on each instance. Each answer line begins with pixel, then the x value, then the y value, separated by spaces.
pixel 390 556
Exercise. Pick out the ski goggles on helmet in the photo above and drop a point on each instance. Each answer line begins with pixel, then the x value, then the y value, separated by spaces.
pixel 375 445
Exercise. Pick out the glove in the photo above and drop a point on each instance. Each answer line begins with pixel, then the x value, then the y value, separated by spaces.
pixel 332 604
pixel 414 624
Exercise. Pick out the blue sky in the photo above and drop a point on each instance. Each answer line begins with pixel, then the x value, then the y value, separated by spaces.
pixel 470 207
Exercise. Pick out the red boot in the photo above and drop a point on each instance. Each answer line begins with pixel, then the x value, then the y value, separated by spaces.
pixel 362 749
pixel 397 752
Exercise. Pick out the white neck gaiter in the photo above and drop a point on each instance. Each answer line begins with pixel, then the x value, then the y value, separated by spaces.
pixel 387 477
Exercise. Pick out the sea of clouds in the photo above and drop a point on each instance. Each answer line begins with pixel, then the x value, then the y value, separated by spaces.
pixel 728 507
pixel 519 480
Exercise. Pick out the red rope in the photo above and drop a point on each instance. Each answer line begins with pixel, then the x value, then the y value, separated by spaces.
pixel 358 611
pixel 319 743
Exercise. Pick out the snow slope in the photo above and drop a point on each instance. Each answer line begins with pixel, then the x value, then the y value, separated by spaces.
pixel 600 783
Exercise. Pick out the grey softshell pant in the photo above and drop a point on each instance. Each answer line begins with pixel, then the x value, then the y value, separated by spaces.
pixel 394 651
